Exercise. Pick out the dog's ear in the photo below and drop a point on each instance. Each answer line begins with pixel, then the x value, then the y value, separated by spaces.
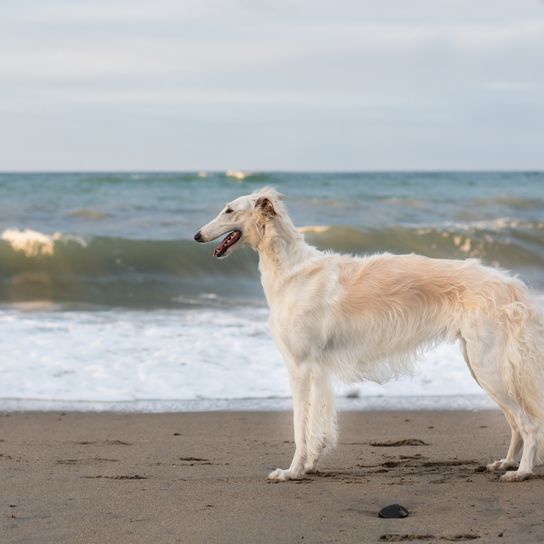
pixel 265 206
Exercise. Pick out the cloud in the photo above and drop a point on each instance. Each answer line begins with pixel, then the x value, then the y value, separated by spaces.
pixel 358 64
pixel 109 12
pixel 142 55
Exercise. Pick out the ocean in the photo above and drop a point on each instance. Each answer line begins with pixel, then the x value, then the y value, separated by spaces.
pixel 106 302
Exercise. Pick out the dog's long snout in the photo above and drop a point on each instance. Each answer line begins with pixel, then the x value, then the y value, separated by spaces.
pixel 198 236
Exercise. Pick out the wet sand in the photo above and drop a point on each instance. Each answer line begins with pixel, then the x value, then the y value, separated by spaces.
pixel 201 478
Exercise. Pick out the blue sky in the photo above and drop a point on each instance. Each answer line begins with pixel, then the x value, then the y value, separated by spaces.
pixel 271 84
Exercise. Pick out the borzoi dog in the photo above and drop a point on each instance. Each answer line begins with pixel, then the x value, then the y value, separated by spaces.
pixel 368 318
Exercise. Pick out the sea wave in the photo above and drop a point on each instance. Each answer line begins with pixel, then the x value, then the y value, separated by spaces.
pixel 502 242
pixel 510 202
pixel 176 177
pixel 31 243
pixel 93 215
pixel 35 265
pixel 110 271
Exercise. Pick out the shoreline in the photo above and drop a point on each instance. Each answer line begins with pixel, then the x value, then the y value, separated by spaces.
pixel 269 404
pixel 89 477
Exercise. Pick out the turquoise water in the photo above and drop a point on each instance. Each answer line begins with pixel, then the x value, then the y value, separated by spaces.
pixel 126 238
pixel 106 300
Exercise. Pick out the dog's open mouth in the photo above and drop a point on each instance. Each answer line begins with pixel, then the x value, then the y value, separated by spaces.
pixel 229 241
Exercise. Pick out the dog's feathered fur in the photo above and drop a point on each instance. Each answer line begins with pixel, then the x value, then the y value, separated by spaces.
pixel 368 317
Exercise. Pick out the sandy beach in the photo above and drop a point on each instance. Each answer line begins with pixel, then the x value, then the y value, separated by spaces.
pixel 201 477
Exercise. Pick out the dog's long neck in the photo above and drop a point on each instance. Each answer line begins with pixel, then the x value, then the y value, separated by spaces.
pixel 282 250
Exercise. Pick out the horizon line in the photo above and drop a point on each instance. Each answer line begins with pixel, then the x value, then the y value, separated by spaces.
pixel 252 171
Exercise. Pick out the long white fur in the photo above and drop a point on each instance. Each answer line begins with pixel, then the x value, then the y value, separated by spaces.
pixel 369 317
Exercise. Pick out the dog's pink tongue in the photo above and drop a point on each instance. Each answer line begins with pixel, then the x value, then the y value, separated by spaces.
pixel 218 251
pixel 226 243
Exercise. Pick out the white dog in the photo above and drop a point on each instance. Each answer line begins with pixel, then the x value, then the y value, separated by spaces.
pixel 353 318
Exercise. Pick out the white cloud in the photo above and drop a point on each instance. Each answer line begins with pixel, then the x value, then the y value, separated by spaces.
pixel 358 64
pixel 111 11
pixel 143 55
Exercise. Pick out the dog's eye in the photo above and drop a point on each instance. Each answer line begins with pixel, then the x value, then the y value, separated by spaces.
pixel 229 210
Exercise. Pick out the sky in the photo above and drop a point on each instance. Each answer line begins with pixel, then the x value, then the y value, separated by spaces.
pixel 271 85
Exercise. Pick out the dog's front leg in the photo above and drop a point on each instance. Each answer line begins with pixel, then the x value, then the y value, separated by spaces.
pixel 300 385
pixel 321 420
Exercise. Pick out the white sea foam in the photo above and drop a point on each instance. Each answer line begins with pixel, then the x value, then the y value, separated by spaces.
pixel 32 243
pixel 239 175
pixel 29 242
pixel 167 355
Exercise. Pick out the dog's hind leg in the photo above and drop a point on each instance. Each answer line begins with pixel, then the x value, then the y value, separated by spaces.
pixel 516 441
pixel 300 376
pixel 528 430
pixel 516 444
pixel 321 424
pixel 489 356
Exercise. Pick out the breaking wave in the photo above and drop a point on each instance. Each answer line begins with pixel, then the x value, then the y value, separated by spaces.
pixel 113 270
pixel 503 242
pixel 31 243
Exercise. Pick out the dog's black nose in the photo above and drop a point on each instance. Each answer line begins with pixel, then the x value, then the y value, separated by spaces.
pixel 198 236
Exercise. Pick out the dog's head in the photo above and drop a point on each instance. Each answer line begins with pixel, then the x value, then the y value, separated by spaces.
pixel 243 221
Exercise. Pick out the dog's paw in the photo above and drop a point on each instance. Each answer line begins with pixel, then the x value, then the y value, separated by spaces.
pixel 501 466
pixel 280 475
pixel 516 476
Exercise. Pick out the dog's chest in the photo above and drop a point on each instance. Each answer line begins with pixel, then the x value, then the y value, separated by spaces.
pixel 296 328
